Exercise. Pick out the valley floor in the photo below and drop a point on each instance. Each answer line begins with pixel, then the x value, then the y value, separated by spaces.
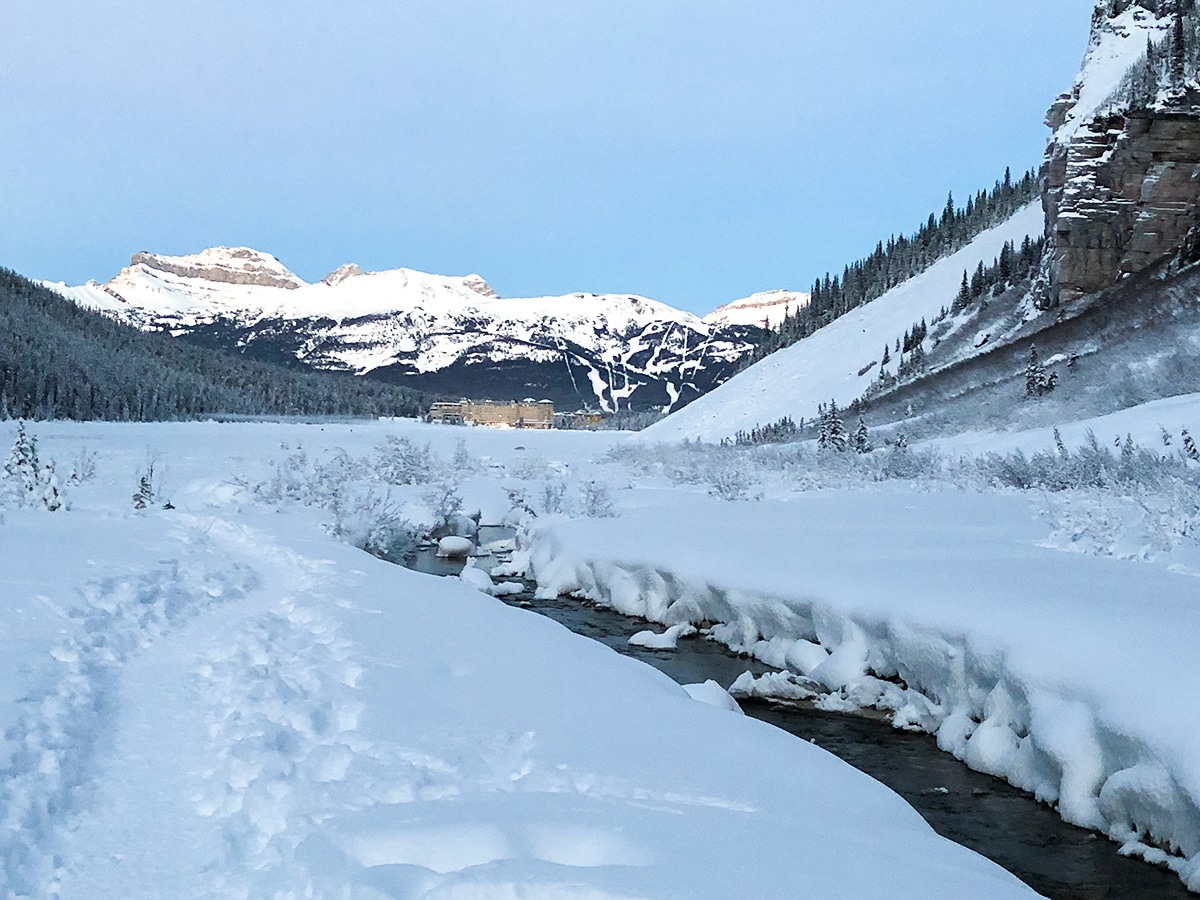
pixel 228 698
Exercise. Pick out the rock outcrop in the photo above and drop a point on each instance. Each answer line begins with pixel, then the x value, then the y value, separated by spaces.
pixel 1122 175
pixel 1121 195
pixel 224 265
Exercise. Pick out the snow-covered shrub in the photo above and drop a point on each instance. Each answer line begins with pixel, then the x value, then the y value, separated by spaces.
pixel 729 483
pixel 463 462
pixel 83 466
pixel 290 481
pixel 49 492
pixel 143 496
pixel 597 501
pixel 390 537
pixel 399 461
pixel 553 498
pixel 446 503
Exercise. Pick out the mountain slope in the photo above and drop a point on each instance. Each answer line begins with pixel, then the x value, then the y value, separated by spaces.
pixel 840 361
pixel 58 360
pixel 442 334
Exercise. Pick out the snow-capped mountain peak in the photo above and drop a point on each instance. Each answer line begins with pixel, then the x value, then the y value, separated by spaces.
pixel 446 334
pixel 222 265
pixel 764 309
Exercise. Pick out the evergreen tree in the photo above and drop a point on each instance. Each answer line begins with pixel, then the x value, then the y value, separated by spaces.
pixel 1038 380
pixel 862 439
pixel 832 435
pixel 22 467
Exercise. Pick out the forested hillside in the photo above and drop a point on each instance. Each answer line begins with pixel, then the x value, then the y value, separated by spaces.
pixel 901 259
pixel 60 361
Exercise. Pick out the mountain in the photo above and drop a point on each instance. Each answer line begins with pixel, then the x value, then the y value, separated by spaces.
pixel 840 361
pixel 60 361
pixel 765 310
pixel 1107 314
pixel 445 335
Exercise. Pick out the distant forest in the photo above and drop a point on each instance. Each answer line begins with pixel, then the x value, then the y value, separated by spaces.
pixel 59 361
pixel 900 259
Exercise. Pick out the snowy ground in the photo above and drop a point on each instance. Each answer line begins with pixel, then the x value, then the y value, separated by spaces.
pixel 228 699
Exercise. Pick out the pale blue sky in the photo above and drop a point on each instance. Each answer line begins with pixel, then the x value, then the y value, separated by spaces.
pixel 690 150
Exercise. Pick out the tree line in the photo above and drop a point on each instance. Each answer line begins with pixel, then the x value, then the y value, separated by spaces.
pixel 900 259
pixel 60 361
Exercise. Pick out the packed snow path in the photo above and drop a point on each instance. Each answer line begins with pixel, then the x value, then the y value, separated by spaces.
pixel 218 700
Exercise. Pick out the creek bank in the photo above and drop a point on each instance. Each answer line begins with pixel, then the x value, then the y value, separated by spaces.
pixel 983 813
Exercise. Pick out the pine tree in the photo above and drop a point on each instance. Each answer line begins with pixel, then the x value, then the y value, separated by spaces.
pixel 862 439
pixel 48 490
pixel 23 467
pixel 834 431
pixel 1189 446
pixel 1038 381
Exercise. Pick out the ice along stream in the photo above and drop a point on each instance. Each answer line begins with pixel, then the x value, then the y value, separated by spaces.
pixel 983 813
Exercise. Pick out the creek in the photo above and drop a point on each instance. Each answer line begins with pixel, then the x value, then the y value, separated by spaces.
pixel 987 815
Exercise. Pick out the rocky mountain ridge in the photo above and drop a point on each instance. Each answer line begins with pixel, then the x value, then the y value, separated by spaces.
pixel 439 334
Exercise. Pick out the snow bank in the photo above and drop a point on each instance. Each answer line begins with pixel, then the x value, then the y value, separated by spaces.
pixel 225 700
pixel 1068 675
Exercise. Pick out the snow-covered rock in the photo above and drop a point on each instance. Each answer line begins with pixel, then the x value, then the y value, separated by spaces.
pixel 453 547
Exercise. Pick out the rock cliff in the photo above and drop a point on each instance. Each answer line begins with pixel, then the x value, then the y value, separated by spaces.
pixel 1122 170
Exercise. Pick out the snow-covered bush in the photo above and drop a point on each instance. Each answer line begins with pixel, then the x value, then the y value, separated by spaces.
pixel 553 498
pixel 597 501
pixel 399 461
pixel 729 483
pixel 143 496
pixel 83 466
pixel 446 503
pixel 390 537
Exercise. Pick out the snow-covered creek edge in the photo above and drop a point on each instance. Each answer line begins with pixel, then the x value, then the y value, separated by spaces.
pixel 1055 745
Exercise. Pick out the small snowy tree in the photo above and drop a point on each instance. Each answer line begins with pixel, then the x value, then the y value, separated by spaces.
pixel 1189 446
pixel 832 435
pixel 143 497
pixel 23 468
pixel 49 492
pixel 462 461
pixel 399 461
pixel 861 439
pixel 1038 380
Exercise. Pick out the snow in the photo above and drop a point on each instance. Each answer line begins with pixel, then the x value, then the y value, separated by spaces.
pixel 455 547
pixel 765 308
pixel 1145 423
pixel 227 699
pixel 424 323
pixel 1115 47
pixel 714 695
pixel 824 366
pixel 668 640
pixel 1067 674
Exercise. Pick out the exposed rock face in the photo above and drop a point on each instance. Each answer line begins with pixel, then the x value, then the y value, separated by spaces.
pixel 479 286
pixel 1121 195
pixel 1121 175
pixel 341 273
pixel 225 265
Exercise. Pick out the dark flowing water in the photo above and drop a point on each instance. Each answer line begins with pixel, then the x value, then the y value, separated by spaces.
pixel 980 812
